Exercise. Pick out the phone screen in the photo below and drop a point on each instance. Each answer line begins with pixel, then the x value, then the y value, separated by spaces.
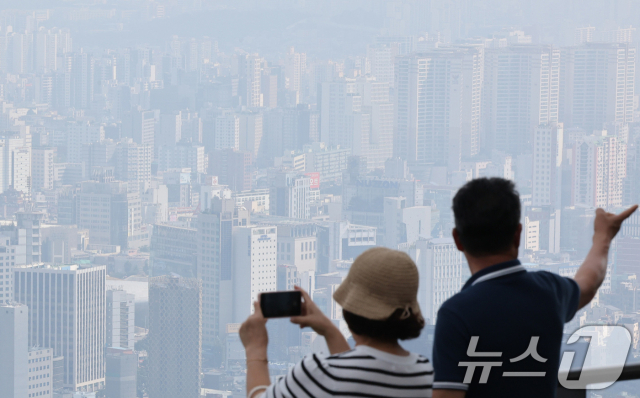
pixel 281 304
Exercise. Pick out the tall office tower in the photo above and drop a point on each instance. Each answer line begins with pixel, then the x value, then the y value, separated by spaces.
pixel 373 127
pixel 598 85
pixel 547 164
pixel 173 250
pixel 14 346
pixel 382 58
pixel 214 264
pixel 599 169
pixel 29 223
pixel 45 51
pixel 250 133
pixel 12 253
pixel 110 213
pixel 336 100
pixel 170 130
pixel 227 131
pixel 255 266
pixel 133 164
pixel 233 168
pixel 82 80
pixel 442 271
pixel 269 88
pixel 140 126
pixel 40 372
pixel 289 195
pixel 42 169
pixel 175 337
pixel 120 319
pixel 67 313
pixel 19 52
pixel 429 121
pixel 80 133
pixel 511 116
pixel 183 155
pixel 295 69
pixel 122 373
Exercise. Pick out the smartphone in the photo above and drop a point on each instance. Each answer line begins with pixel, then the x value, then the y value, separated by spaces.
pixel 281 304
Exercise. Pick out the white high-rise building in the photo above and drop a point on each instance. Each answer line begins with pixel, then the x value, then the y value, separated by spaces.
pixel 133 163
pixel 40 362
pixel 598 85
pixel 599 167
pixel 382 58
pixel 12 253
pixel 14 346
pixel 170 130
pixel 295 69
pixel 442 270
pixel 227 131
pixel 435 107
pixel 250 133
pixel 547 163
pixel 42 169
pixel 521 92
pixel 120 319
pixel 253 74
pixel 255 253
pixel 67 313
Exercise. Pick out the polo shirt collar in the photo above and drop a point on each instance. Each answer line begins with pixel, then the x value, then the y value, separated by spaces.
pixel 495 271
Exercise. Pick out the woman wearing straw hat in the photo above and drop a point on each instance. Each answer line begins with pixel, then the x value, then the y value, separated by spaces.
pixel 379 303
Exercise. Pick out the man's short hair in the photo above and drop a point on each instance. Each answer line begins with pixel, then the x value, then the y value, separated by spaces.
pixel 487 215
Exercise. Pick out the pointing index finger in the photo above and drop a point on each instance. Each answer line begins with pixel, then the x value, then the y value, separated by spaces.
pixel 627 213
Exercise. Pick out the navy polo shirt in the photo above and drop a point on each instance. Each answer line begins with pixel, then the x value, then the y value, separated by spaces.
pixel 500 313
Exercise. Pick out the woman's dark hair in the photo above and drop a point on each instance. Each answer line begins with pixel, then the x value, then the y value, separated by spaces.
pixel 393 328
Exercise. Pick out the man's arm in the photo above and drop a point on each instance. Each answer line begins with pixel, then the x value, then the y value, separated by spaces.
pixel 449 394
pixel 594 268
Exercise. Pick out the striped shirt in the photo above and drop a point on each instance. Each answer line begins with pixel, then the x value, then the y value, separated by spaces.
pixel 361 372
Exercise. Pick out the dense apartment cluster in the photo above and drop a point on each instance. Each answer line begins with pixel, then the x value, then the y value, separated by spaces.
pixel 150 192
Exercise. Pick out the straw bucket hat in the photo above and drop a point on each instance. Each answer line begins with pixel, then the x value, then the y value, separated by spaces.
pixel 380 282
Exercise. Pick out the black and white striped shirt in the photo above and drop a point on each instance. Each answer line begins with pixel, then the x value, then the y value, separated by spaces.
pixel 361 372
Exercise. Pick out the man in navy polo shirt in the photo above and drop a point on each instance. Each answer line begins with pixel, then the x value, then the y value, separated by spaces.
pixel 500 336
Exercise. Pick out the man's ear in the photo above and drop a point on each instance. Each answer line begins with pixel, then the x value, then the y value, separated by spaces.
pixel 456 238
pixel 516 237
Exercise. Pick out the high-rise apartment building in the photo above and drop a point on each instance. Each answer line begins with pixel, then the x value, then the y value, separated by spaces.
pixel 255 253
pixel 598 85
pixel 80 133
pixel 133 164
pixel 436 109
pixel 183 155
pixel 227 131
pixel 42 169
pixel 521 92
pixel 14 366
pixel 120 319
pixel 295 69
pixel 175 337
pixel 599 169
pixel 67 313
pixel 140 126
pixel 252 70
pixel 547 164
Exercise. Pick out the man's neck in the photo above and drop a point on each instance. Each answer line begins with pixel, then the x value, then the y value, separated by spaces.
pixel 479 263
